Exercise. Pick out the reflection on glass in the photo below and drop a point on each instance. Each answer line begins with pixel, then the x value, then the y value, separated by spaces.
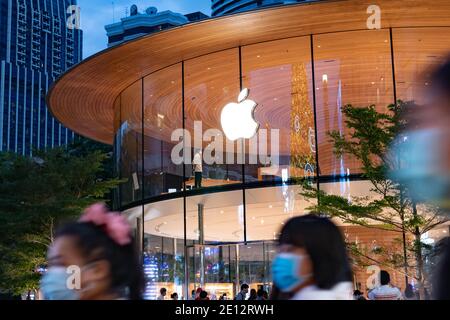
pixel 350 68
pixel 269 208
pixel 211 82
pixel 163 250
pixel 131 143
pixel 215 218
pixel 162 116
pixel 278 74
pixel 417 52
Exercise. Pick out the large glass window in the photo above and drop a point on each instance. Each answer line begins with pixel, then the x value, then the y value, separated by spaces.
pixel 163 251
pixel 417 52
pixel 215 218
pixel 269 208
pixel 162 116
pixel 350 68
pixel 131 143
pixel 211 82
pixel 278 75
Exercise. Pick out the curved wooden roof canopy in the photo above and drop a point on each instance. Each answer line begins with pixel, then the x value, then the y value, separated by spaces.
pixel 83 98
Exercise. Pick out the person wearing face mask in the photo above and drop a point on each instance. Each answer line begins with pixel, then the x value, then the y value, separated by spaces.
pixel 312 262
pixel 425 146
pixel 101 247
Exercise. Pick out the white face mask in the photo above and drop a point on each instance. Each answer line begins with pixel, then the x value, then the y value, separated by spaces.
pixel 422 166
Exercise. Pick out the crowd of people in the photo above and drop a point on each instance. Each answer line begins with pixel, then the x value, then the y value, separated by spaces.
pixel 200 294
pixel 312 261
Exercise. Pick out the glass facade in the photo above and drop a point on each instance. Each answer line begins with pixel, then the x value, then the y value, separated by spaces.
pixel 221 233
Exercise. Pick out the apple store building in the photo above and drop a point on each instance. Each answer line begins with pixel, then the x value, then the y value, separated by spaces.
pixel 216 125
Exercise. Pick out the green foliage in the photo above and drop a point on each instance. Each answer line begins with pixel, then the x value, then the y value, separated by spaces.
pixel 369 140
pixel 38 193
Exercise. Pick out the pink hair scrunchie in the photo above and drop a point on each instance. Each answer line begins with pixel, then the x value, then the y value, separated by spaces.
pixel 114 224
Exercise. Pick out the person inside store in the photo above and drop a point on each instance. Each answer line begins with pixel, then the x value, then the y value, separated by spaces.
pixel 197 163
pixel 427 176
pixel 101 247
pixel 174 296
pixel 223 297
pixel 358 295
pixel 312 261
pixel 385 291
pixel 162 294
pixel 253 295
pixel 242 295
pixel 203 296
pixel 409 292
pixel 197 293
pixel 260 295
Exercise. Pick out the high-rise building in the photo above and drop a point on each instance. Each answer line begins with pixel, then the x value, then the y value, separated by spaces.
pixel 39 40
pixel 222 7
pixel 139 24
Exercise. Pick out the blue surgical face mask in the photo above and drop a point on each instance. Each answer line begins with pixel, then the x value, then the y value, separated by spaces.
pixel 285 271
pixel 422 170
pixel 54 285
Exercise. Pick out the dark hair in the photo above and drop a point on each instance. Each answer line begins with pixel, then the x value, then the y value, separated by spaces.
pixel 260 293
pixel 357 293
pixel 162 290
pixel 193 292
pixel 441 278
pixel 325 246
pixel 203 295
pixel 244 286
pixel 173 295
pixel 95 244
pixel 441 77
pixel 385 278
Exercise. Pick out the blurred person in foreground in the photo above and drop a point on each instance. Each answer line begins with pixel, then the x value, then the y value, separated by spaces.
pixel 312 262
pixel 427 173
pixel 101 246
pixel 385 291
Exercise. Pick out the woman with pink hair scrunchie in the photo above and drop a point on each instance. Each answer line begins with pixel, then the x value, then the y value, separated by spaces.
pixel 94 259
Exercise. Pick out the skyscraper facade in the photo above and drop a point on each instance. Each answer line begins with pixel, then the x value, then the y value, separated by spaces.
pixel 39 40
pixel 223 7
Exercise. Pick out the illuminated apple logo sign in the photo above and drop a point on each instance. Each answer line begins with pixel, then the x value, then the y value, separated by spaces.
pixel 238 120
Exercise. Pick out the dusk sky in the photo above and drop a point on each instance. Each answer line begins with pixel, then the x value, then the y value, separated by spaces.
pixel 96 14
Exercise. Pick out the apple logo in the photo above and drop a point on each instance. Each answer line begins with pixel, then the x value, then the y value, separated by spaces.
pixel 238 120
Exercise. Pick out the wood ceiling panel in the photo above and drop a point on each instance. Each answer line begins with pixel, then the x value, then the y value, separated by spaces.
pixel 83 98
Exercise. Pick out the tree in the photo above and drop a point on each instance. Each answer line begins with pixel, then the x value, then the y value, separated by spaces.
pixel 38 193
pixel 373 135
